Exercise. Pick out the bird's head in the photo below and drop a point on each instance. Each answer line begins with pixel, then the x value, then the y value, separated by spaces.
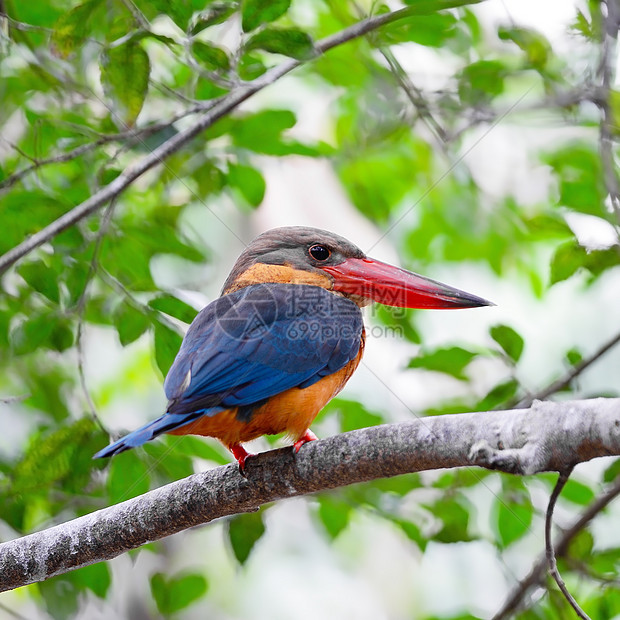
pixel 304 255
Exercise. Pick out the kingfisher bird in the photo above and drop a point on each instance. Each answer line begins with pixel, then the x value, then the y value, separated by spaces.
pixel 282 340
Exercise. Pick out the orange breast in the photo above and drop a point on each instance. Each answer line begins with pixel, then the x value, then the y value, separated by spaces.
pixel 291 412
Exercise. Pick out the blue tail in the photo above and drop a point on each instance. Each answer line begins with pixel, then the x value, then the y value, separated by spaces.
pixel 163 424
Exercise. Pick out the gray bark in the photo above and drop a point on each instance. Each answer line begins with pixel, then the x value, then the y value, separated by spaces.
pixel 547 437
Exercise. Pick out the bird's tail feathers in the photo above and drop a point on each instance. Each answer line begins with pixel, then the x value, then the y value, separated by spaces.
pixel 163 424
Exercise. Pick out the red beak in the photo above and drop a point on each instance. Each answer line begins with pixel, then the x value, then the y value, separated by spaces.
pixel 393 286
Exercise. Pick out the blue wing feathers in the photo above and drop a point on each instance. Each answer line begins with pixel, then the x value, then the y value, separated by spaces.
pixel 250 345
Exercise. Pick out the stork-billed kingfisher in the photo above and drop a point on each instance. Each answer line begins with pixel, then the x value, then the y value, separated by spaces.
pixel 282 340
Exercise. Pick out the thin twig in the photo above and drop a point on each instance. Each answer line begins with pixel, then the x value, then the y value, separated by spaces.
pixel 81 306
pixel 610 14
pixel 120 288
pixel 565 381
pixel 223 107
pixel 549 550
pixel 537 573
pixel 78 151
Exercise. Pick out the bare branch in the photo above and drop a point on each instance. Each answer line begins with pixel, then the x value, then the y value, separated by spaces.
pixel 224 106
pixel 548 437
pixel 609 36
pixel 549 550
pixel 565 381
pixel 537 573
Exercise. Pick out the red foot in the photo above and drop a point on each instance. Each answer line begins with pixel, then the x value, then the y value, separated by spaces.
pixel 305 438
pixel 241 454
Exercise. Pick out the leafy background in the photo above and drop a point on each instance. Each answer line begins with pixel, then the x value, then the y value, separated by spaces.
pixel 476 145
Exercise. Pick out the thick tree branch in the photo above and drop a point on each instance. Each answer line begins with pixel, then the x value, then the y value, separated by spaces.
pixel 226 105
pixel 548 437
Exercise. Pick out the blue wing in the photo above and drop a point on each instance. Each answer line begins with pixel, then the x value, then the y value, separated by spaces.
pixel 250 345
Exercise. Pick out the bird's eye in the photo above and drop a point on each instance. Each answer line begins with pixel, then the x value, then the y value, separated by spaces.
pixel 319 252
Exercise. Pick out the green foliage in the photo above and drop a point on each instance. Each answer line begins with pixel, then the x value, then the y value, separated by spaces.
pixel 286 41
pixel 257 12
pixel 334 514
pixel 244 531
pixel 513 512
pixel 452 361
pixel 177 593
pixel 509 340
pixel 125 78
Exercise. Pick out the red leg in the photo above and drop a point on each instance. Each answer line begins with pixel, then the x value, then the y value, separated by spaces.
pixel 241 454
pixel 305 438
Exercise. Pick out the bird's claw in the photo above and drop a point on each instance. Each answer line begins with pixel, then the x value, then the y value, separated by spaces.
pixel 305 438
pixel 241 454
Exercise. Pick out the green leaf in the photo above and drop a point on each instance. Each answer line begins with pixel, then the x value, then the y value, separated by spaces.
pixel 244 531
pixel 167 345
pixel 612 472
pixel 534 44
pixel 250 67
pixel 423 7
pixel 354 415
pixel 287 41
pixel 73 27
pixel 128 477
pixel 513 513
pixel 577 492
pixel 581 546
pixel 216 13
pixel 248 181
pixel 130 323
pixel 206 449
pixel 570 257
pixel 212 57
pixel 173 306
pixel 567 260
pixel 578 169
pixel 261 132
pixel 125 78
pixel 334 514
pixel 180 11
pixel 452 361
pixel 41 278
pixel 44 330
pixel 481 81
pixel 60 595
pixel 95 577
pixel 574 356
pixel 169 459
pixel 500 394
pixel 454 518
pixel 174 594
pixel 413 533
pixel 429 30
pixel 509 340
pixel 257 12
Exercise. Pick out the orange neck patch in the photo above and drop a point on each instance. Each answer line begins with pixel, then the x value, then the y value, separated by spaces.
pixel 261 273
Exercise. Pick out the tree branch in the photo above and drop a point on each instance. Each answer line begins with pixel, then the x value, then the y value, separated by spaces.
pixel 550 550
pixel 227 104
pixel 548 437
pixel 537 573
pixel 565 381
